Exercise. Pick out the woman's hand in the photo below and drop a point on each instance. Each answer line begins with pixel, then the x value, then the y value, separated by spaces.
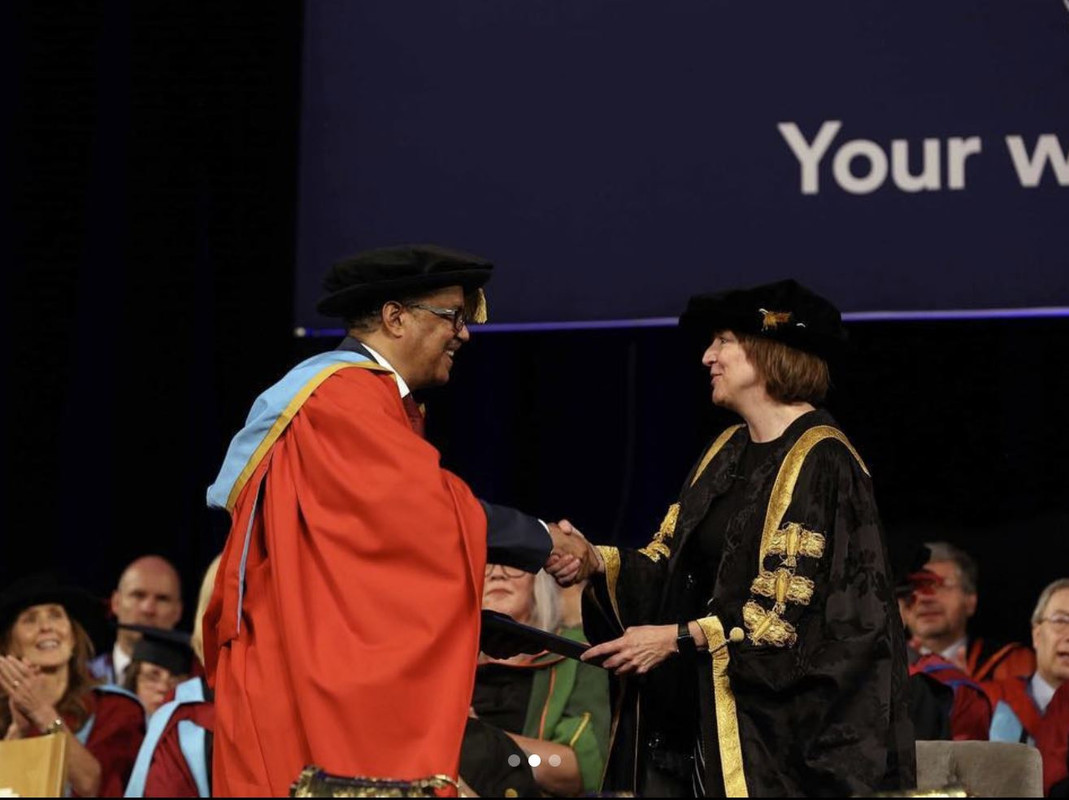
pixel 20 727
pixel 639 650
pixel 24 685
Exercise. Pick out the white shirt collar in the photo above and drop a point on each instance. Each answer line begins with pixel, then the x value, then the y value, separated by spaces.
pixel 402 387
pixel 120 661
pixel 951 653
pixel 1042 692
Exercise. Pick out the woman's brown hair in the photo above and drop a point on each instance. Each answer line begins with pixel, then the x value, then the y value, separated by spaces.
pixel 791 375
pixel 73 705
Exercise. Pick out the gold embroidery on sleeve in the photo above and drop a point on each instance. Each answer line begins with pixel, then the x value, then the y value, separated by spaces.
pixel 783 587
pixel 611 557
pixel 766 627
pixel 791 542
pixel 658 546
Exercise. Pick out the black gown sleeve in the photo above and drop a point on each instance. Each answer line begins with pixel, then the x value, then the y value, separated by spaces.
pixel 515 539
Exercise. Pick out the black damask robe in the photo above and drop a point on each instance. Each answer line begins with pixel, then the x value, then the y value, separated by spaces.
pixel 804 689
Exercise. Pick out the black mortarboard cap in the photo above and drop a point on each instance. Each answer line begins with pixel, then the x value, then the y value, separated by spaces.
pixel 784 311
pixel 357 284
pixel 164 648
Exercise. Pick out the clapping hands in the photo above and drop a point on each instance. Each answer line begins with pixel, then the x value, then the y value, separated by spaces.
pixel 22 683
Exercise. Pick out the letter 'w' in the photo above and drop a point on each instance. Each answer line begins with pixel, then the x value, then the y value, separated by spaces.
pixel 1030 169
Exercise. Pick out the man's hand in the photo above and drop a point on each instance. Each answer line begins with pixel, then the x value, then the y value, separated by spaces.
pixel 573 558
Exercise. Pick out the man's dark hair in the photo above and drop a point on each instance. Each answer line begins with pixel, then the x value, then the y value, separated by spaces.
pixel 366 320
pixel 967 568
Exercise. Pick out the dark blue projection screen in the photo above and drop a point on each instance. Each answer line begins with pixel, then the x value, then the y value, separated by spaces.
pixel 613 157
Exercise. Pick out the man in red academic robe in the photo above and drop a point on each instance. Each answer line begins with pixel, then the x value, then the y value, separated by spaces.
pixel 1035 710
pixel 343 630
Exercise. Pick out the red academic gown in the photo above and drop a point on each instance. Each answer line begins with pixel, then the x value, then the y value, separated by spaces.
pixel 970 716
pixel 118 728
pixel 169 774
pixel 1052 740
pixel 359 627
pixel 1049 729
pixel 988 662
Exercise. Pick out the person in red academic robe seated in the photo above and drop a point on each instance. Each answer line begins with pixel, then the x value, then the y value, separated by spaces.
pixel 344 627
pixel 939 621
pixel 931 675
pixel 46 688
pixel 162 659
pixel 970 712
pixel 1035 710
pixel 175 758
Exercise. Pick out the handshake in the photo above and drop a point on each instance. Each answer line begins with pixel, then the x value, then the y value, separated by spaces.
pixel 573 558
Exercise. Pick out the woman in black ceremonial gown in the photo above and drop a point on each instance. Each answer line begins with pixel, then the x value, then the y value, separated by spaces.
pixel 757 637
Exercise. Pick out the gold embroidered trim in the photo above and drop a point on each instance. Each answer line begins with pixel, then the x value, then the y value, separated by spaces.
pixel 658 546
pixel 766 627
pixel 727 720
pixel 783 586
pixel 783 489
pixel 285 418
pixel 714 448
pixel 793 540
pixel 611 557
pixel 655 551
pixel 789 541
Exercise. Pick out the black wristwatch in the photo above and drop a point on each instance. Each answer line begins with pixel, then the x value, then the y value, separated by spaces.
pixel 684 641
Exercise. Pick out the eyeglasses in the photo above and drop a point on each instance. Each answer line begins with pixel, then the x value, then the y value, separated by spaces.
pixel 455 316
pixel 508 572
pixel 947 586
pixel 1060 622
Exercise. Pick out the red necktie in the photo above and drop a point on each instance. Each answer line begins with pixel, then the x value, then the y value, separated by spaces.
pixel 414 412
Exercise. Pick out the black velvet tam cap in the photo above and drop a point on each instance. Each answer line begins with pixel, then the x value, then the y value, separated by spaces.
pixel 357 285
pixel 784 311
pixel 164 648
pixel 42 588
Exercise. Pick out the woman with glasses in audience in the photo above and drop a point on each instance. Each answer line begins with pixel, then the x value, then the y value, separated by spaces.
pixel 554 708
pixel 45 686
pixel 162 659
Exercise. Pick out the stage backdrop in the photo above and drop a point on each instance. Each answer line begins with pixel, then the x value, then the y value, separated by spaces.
pixel 615 156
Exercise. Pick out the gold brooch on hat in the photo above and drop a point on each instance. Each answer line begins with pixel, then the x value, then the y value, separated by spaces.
pixel 770 320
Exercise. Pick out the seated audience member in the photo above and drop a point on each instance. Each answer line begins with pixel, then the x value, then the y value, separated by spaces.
pixel 46 688
pixel 938 621
pixel 161 660
pixel 175 758
pixel 944 702
pixel 1025 708
pixel 552 706
pixel 149 593
pixel 1052 740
